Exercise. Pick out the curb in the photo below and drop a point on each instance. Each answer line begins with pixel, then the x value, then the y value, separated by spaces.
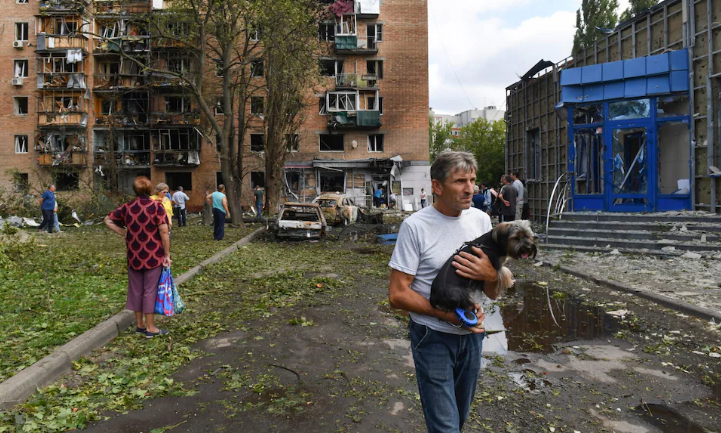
pixel 681 306
pixel 22 385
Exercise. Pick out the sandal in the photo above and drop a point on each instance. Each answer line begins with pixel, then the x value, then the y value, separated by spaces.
pixel 149 334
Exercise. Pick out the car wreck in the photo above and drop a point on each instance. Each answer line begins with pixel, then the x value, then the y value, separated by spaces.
pixel 337 208
pixel 300 221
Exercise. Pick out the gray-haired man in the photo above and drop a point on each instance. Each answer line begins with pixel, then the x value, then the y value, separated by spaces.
pixel 447 357
pixel 179 198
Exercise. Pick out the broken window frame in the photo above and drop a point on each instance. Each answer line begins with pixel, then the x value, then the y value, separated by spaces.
pixel 376 143
pixel 257 105
pixel 326 31
pixel 338 67
pixel 259 145
pixel 341 101
pixel 292 143
pixel 257 68
pixel 21 105
pixel 375 67
pixel 21 144
pixel 589 174
pixel 20 68
pixel 182 104
pixel 327 146
pixel 682 158
pixel 322 106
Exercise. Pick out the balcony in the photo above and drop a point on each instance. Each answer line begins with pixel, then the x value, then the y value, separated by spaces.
pixel 67 117
pixel 129 44
pixel 356 81
pixel 119 7
pixel 62 80
pixel 364 119
pixel 354 44
pixel 50 42
pixel 170 119
pixel 177 158
pixel 111 82
pixel 128 160
pixel 60 149
pixel 121 120
pixel 62 6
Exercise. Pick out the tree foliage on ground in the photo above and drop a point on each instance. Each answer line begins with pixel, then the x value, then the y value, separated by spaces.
pixel 441 137
pixel 636 7
pixel 486 140
pixel 593 14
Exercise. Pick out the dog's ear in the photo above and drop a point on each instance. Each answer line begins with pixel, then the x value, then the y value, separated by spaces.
pixel 501 232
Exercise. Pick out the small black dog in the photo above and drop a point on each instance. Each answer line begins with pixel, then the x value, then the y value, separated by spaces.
pixel 511 239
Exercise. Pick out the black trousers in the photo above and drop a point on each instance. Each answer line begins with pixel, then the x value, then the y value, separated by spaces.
pixel 182 217
pixel 48 220
pixel 218 224
pixel 506 218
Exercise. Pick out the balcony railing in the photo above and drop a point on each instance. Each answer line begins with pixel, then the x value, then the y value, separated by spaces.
pixel 177 158
pixel 62 80
pixel 363 119
pixel 48 42
pixel 356 81
pixel 47 6
pixel 127 159
pixel 129 45
pixel 63 159
pixel 118 81
pixel 116 7
pixel 170 119
pixel 66 117
pixel 356 44
pixel 121 120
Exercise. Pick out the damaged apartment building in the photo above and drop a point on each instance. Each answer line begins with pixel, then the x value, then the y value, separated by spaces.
pixel 77 111
pixel 631 124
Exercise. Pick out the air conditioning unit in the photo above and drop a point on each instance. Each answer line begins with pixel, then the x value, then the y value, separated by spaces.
pixel 17 81
pixel 18 44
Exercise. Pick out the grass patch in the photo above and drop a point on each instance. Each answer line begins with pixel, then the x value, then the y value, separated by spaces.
pixel 67 283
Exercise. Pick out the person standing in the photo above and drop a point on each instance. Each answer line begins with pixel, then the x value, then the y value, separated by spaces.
pixel 377 197
pixel 447 357
pixel 144 224
pixel 258 200
pixel 508 197
pixel 487 195
pixel 180 197
pixel 423 198
pixel 56 223
pixel 479 200
pixel 220 211
pixel 47 206
pixel 518 186
pixel 161 195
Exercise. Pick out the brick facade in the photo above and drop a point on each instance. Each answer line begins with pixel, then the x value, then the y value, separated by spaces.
pixel 403 89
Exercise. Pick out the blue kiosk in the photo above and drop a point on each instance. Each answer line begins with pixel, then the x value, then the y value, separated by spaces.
pixel 628 128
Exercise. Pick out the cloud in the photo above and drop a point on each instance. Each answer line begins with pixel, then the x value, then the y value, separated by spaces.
pixel 487 51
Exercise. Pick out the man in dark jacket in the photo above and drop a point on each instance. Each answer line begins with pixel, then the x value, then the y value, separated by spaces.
pixel 507 195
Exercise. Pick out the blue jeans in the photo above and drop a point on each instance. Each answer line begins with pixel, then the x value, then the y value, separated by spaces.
pixel 259 208
pixel 447 368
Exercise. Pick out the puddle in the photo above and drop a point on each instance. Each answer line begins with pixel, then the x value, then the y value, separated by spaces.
pixel 667 420
pixel 529 326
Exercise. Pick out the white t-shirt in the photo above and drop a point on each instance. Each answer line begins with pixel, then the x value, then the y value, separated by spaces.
pixel 425 242
pixel 180 197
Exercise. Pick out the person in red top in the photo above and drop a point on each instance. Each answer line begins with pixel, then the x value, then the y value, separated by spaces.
pixel 144 224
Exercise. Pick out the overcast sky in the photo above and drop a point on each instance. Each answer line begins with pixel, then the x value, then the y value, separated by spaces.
pixel 490 43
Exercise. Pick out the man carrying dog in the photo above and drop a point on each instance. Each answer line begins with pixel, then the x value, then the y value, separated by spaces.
pixel 447 357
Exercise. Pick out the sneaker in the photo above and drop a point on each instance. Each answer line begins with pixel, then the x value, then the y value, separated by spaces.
pixel 140 330
pixel 149 334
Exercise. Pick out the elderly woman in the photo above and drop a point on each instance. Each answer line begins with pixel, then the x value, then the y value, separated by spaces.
pixel 161 195
pixel 144 224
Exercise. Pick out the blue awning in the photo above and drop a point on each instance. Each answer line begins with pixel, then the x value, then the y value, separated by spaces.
pixel 634 78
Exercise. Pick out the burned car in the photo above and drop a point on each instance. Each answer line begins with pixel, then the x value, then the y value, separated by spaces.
pixel 337 208
pixel 300 221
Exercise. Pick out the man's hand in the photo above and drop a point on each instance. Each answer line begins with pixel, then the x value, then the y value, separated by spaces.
pixel 451 317
pixel 475 267
pixel 507 203
pixel 228 215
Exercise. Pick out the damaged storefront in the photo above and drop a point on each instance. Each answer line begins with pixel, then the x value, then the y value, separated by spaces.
pixel 629 124
pixel 359 179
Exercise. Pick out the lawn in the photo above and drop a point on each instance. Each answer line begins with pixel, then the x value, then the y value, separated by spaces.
pixel 69 282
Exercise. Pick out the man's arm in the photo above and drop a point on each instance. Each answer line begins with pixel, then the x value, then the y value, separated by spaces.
pixel 209 198
pixel 109 223
pixel 165 240
pixel 225 205
pixel 401 296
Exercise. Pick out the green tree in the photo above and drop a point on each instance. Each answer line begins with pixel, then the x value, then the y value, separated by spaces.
pixel 486 140
pixel 441 137
pixel 592 14
pixel 636 7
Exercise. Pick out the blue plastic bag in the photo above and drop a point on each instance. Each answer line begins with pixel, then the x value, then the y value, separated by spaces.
pixel 178 303
pixel 164 301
